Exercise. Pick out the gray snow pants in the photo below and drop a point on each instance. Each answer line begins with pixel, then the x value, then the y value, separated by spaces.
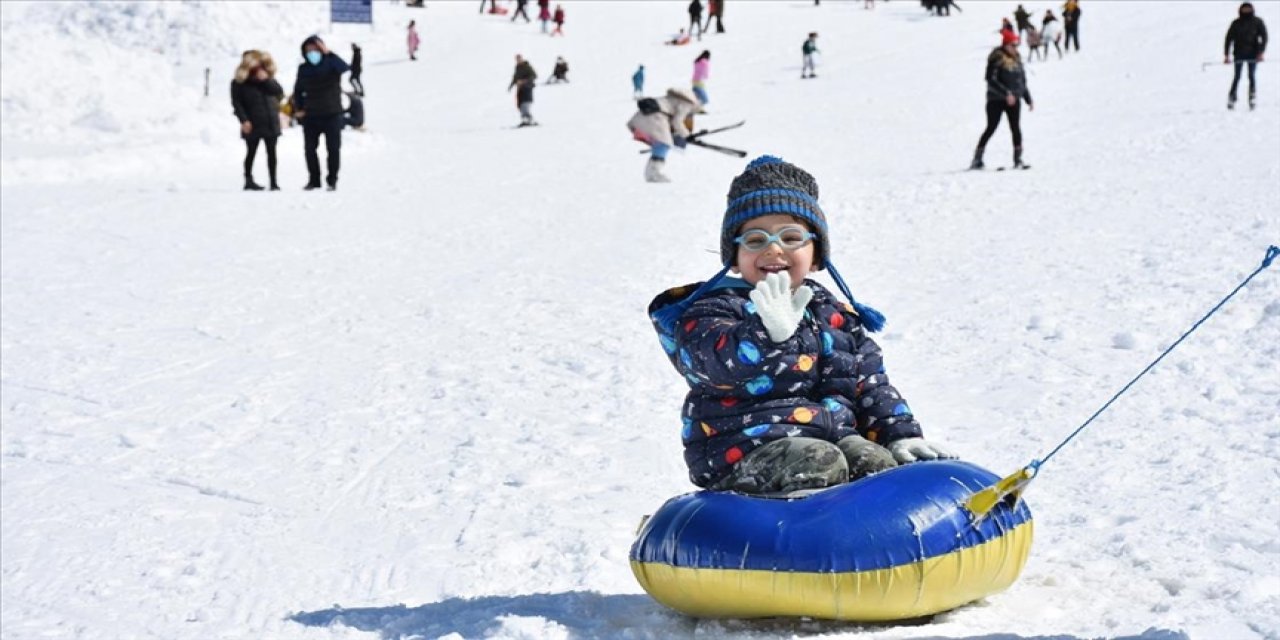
pixel 791 464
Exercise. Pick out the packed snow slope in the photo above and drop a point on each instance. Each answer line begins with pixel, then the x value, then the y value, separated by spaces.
pixel 430 404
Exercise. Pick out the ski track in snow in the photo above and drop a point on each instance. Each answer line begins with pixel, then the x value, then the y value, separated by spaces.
pixel 430 404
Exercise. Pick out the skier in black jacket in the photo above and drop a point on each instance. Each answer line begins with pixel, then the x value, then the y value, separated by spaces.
pixel 1249 36
pixel 317 103
pixel 255 99
pixel 1006 89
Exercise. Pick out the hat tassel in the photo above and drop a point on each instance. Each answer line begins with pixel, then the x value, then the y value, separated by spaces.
pixel 870 319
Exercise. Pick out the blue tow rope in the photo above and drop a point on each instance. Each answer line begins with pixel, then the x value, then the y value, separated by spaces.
pixel 983 501
pixel 1272 252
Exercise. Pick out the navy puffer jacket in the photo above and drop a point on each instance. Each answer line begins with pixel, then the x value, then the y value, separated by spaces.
pixel 826 381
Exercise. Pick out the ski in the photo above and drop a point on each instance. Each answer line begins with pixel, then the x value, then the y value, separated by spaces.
pixel 1022 168
pixel 715 147
pixel 707 132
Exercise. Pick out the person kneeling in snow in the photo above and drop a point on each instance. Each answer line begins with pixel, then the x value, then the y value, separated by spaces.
pixel 353 115
pixel 662 123
pixel 787 390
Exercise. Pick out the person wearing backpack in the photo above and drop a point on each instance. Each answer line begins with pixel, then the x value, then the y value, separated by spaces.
pixel 663 123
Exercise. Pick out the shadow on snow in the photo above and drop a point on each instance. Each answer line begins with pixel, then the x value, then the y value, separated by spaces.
pixel 586 614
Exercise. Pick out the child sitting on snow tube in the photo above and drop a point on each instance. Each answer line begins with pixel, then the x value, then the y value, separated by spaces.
pixel 787 390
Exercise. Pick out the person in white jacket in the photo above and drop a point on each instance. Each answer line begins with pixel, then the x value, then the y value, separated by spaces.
pixel 1051 31
pixel 663 123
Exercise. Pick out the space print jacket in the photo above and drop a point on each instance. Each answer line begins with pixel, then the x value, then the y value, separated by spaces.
pixel 826 381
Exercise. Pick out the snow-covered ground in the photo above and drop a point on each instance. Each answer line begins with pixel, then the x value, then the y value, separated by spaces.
pixel 430 404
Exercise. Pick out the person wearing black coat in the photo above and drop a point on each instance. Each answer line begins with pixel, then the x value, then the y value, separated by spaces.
pixel 317 103
pixel 1071 24
pixel 520 12
pixel 523 80
pixel 357 68
pixel 255 100
pixel 1006 89
pixel 695 17
pixel 1248 35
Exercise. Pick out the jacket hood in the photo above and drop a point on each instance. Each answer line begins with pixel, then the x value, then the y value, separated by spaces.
pixel 302 49
pixel 252 59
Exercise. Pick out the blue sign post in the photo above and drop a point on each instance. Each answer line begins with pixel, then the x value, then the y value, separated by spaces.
pixel 360 11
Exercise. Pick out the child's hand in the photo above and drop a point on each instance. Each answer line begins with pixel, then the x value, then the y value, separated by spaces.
pixel 913 449
pixel 779 309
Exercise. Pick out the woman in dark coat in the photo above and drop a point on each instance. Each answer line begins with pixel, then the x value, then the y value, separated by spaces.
pixel 1006 89
pixel 255 98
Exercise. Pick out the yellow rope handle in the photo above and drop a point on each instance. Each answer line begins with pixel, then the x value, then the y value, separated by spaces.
pixel 982 502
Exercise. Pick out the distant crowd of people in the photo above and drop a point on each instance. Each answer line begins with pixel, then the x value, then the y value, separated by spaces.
pixel 319 103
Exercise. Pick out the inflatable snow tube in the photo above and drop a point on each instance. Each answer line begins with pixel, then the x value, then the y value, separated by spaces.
pixel 899 544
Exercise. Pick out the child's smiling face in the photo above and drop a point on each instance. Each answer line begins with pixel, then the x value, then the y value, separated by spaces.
pixel 755 265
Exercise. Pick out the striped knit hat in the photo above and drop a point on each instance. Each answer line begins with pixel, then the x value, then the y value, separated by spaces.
pixel 766 187
pixel 771 186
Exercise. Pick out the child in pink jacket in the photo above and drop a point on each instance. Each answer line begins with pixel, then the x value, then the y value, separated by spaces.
pixel 701 71
pixel 413 41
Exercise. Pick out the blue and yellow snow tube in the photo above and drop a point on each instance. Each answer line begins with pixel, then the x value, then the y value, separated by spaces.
pixel 896 545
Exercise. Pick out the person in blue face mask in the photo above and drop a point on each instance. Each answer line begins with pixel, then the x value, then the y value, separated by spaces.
pixel 317 104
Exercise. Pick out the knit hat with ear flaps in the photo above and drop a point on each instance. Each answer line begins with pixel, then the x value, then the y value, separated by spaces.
pixel 766 187
pixel 772 186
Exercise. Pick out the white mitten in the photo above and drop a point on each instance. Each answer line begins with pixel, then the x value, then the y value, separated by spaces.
pixel 913 449
pixel 779 309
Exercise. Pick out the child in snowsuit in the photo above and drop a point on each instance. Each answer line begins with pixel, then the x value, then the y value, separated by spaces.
pixel 560 73
pixel 787 390
pixel 809 48
pixel 662 123
pixel 637 82
pixel 558 18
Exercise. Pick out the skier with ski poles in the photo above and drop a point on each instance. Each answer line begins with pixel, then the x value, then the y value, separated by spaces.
pixel 1006 89
pixel 663 123
pixel 1248 34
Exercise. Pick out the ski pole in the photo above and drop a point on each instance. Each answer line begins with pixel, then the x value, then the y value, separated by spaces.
pixel 1206 65
pixel 705 132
